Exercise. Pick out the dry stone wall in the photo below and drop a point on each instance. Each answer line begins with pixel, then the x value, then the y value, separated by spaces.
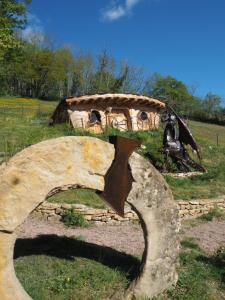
pixel 187 210
pixel 54 211
pixel 196 208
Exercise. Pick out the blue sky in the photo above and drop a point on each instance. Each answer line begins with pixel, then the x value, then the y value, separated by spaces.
pixel 185 39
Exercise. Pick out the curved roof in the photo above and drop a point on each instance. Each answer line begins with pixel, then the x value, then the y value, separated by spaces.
pixel 108 100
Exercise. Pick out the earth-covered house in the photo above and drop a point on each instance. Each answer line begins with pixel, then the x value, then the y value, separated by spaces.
pixel 121 111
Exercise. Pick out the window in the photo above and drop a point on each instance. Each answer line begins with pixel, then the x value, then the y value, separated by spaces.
pixel 143 116
pixel 95 117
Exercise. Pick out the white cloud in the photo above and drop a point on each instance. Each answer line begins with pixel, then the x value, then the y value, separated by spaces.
pixel 116 10
pixel 34 29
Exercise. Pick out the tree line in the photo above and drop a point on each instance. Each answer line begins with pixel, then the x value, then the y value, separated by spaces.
pixel 35 68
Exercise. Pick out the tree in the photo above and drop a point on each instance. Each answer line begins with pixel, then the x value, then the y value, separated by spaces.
pixel 62 72
pixel 211 103
pixel 104 80
pixel 83 71
pixel 134 80
pixel 12 17
pixel 174 92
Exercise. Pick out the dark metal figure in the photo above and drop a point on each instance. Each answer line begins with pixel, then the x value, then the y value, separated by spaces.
pixel 173 143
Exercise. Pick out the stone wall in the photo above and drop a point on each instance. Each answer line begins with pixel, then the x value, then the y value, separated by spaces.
pixel 54 211
pixel 187 210
pixel 196 208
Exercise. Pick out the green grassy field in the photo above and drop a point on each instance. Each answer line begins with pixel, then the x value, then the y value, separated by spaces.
pixel 27 124
pixel 69 268
pixel 77 196
pixel 59 268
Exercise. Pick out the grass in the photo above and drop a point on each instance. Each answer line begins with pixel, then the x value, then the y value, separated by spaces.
pixel 200 276
pixel 77 196
pixel 20 128
pixel 51 267
pixel 214 213
pixel 67 268
pixel 189 243
pixel 73 218
pixel 46 277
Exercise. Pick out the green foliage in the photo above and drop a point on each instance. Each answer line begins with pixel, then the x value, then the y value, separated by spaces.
pixel 173 91
pixel 218 259
pixel 214 213
pixel 199 276
pixel 210 110
pixel 12 17
pixel 39 71
pixel 189 243
pixel 73 218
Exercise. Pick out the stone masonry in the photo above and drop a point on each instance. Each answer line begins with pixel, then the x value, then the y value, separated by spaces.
pixel 187 210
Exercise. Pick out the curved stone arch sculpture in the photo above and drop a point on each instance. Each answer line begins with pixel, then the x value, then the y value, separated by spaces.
pixel 33 173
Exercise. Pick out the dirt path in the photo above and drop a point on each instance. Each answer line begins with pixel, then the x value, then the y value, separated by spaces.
pixel 209 236
pixel 126 238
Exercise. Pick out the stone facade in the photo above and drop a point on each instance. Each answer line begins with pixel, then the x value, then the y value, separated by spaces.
pixel 120 111
pixel 187 210
pixel 119 118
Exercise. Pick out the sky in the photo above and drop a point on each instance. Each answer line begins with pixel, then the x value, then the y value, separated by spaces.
pixel 182 38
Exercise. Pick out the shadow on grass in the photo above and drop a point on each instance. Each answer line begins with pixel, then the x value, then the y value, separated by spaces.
pixel 70 248
pixel 217 261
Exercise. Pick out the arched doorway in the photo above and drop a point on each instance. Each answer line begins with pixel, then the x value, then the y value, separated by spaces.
pixel 119 119
pixel 95 121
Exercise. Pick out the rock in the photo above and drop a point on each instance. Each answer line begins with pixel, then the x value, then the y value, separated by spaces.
pixel 94 211
pixel 183 202
pixel 88 218
pixel 59 211
pixel 194 202
pixel 83 162
pixel 94 218
pixel 79 206
pixel 10 287
pixel 66 206
pixel 183 212
pixel 54 218
pixel 113 222
pixel 129 215
pixel 118 218
pixel 98 223
pixel 75 162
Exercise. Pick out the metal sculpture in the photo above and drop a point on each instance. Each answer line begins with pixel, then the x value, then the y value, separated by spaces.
pixel 176 135
pixel 118 180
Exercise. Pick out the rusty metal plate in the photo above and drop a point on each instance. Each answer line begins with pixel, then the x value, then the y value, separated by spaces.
pixel 118 180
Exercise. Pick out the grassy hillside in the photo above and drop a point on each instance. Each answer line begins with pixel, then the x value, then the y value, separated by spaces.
pixel 211 184
pixel 23 122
